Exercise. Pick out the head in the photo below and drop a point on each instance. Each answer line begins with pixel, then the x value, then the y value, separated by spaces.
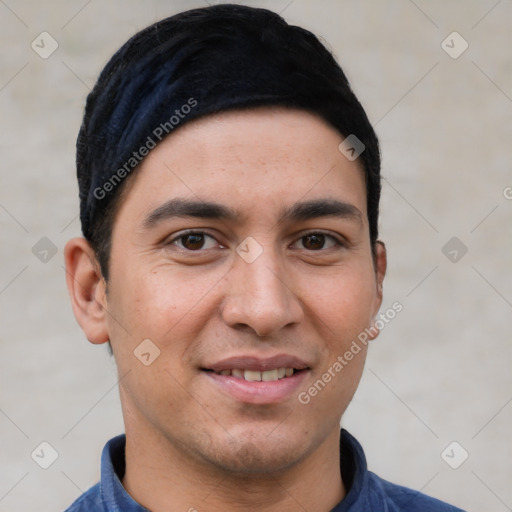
pixel 224 227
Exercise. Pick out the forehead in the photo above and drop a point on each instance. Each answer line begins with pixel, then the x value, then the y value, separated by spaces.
pixel 259 159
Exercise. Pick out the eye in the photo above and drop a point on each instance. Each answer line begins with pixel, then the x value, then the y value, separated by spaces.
pixel 194 241
pixel 318 241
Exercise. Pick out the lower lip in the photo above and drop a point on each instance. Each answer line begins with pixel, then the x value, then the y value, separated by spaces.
pixel 259 392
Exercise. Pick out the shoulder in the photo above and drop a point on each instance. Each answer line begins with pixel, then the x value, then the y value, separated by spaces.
pixel 399 498
pixel 89 500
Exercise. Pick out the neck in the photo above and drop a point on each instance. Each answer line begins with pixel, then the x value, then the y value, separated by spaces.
pixel 163 476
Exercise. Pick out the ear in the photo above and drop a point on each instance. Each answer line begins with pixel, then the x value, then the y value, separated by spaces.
pixel 87 289
pixel 380 264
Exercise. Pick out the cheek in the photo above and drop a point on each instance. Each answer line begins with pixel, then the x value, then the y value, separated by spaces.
pixel 148 299
pixel 149 305
pixel 163 305
pixel 343 305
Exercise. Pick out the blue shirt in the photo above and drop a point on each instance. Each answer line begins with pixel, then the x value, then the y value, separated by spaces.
pixel 366 492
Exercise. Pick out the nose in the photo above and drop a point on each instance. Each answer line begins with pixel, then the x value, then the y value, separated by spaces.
pixel 259 297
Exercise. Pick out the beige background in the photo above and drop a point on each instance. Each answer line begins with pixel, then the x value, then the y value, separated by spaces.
pixel 440 371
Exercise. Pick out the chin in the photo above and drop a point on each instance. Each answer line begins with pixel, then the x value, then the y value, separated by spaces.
pixel 255 453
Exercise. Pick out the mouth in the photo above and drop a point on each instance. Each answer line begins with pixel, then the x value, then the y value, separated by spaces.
pixel 258 376
pixel 257 380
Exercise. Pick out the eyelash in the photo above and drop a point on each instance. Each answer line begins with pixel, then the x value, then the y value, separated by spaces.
pixel 337 243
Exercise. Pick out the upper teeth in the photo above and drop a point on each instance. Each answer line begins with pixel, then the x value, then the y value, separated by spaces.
pixel 267 375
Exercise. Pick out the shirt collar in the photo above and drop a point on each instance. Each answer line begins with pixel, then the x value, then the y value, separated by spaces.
pixel 356 478
pixel 113 495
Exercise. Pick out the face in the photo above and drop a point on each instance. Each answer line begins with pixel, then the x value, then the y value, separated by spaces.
pixel 242 252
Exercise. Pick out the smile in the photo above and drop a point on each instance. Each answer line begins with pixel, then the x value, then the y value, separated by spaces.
pixel 255 376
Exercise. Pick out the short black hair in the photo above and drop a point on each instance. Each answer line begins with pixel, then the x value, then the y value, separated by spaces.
pixel 197 63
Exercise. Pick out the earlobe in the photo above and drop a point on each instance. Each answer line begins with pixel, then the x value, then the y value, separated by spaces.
pixel 87 289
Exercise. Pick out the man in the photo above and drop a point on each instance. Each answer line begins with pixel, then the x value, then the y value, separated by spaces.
pixel 229 190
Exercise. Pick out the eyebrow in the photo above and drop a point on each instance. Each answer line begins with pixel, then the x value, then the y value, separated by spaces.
pixel 179 208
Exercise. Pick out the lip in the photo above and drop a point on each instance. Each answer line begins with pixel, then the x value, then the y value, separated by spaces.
pixel 259 364
pixel 258 392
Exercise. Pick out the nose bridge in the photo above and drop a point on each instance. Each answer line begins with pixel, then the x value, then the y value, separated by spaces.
pixel 258 295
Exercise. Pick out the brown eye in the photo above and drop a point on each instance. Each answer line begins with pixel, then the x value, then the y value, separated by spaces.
pixel 314 241
pixel 317 241
pixel 195 241
pixel 192 241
